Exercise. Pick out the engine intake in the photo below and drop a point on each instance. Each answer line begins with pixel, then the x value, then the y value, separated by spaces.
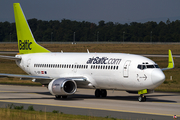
pixel 62 86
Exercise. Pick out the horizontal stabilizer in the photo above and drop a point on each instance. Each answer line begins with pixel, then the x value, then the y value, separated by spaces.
pixel 9 57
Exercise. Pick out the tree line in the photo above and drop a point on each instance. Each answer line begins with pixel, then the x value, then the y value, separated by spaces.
pixel 69 31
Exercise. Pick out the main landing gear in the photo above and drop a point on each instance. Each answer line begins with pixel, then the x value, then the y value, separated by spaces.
pixel 100 93
pixel 142 98
pixel 60 96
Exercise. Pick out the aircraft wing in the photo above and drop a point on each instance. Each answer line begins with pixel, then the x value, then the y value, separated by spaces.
pixel 24 77
pixel 175 56
pixel 170 62
pixel 80 81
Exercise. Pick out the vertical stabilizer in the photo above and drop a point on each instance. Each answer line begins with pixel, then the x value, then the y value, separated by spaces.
pixel 26 41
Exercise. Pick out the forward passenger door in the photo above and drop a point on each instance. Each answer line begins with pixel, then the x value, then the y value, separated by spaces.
pixel 126 69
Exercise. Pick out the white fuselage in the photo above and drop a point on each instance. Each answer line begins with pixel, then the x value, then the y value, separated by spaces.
pixel 103 70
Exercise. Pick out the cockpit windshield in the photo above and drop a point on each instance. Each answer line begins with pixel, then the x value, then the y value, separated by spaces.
pixel 150 66
pixel 142 67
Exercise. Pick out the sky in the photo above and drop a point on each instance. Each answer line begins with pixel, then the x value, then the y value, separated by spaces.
pixel 121 11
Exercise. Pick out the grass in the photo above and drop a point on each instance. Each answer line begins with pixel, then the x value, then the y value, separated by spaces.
pixel 9 66
pixel 19 114
pixel 113 48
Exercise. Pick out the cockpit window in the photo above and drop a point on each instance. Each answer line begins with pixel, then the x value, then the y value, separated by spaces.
pixel 139 66
pixel 156 66
pixel 150 66
pixel 142 67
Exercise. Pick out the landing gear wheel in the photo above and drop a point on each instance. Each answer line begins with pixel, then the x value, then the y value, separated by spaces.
pixel 142 98
pixel 64 96
pixel 103 93
pixel 58 96
pixel 98 93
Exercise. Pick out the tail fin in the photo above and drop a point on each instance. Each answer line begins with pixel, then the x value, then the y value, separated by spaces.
pixel 26 41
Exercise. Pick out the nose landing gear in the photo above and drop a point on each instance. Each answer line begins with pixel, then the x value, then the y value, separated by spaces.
pixel 142 98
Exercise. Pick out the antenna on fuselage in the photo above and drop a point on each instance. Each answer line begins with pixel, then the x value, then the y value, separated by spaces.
pixel 61 51
pixel 87 51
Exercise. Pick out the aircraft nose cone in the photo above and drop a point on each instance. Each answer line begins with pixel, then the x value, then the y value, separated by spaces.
pixel 157 77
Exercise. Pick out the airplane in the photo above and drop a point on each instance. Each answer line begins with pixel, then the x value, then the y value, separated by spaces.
pixel 63 72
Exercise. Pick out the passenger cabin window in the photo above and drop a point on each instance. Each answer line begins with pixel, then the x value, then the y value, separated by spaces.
pixel 107 67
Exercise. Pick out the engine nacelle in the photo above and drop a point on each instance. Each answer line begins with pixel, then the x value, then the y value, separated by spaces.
pixel 62 86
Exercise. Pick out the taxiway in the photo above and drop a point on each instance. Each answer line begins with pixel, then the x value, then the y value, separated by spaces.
pixel 117 104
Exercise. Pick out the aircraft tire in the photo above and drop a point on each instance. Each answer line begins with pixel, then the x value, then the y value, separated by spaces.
pixel 58 96
pixel 64 96
pixel 103 93
pixel 97 93
pixel 142 98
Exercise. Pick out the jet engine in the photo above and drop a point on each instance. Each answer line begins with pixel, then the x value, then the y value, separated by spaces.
pixel 62 86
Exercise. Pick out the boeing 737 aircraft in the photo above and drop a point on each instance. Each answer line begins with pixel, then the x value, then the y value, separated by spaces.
pixel 63 73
